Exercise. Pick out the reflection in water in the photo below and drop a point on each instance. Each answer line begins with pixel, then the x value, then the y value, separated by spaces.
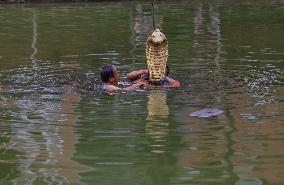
pixel 157 118
pixel 157 105
pixel 214 29
pixel 69 168
pixel 210 47
pixel 141 27
pixel 209 145
pixel 247 152
pixel 257 150
pixel 47 148
pixel 43 130
pixel 34 42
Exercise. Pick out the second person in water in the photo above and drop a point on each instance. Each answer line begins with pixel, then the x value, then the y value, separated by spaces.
pixel 143 76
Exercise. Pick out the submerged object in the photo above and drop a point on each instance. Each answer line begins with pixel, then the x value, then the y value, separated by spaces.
pixel 206 113
pixel 157 55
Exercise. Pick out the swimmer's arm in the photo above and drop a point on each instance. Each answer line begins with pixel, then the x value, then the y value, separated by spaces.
pixel 136 74
pixel 138 80
pixel 135 86
pixel 112 88
pixel 171 82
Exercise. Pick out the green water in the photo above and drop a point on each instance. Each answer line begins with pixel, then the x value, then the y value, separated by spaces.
pixel 56 127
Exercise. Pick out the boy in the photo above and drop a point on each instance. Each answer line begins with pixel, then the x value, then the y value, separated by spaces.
pixel 110 78
pixel 142 76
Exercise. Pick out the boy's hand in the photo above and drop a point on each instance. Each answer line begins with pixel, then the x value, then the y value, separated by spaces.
pixel 168 79
pixel 146 71
pixel 143 84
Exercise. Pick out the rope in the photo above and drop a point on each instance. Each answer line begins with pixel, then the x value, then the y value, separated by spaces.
pixel 153 15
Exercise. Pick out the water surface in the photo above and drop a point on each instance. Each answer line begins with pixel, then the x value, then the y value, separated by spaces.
pixel 58 128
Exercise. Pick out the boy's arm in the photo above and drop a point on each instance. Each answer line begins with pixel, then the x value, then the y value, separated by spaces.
pixel 139 85
pixel 172 83
pixel 136 74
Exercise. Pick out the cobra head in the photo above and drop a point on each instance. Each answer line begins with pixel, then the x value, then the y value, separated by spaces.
pixel 157 37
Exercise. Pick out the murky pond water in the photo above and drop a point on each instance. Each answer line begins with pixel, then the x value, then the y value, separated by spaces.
pixel 57 128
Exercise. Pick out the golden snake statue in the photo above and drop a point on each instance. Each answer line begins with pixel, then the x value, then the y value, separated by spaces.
pixel 157 56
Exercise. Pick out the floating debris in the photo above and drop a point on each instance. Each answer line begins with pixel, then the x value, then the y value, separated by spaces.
pixel 206 113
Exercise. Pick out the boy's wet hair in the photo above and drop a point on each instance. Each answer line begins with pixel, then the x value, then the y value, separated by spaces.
pixel 107 72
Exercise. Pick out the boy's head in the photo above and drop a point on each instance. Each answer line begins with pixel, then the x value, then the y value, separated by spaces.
pixel 109 74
